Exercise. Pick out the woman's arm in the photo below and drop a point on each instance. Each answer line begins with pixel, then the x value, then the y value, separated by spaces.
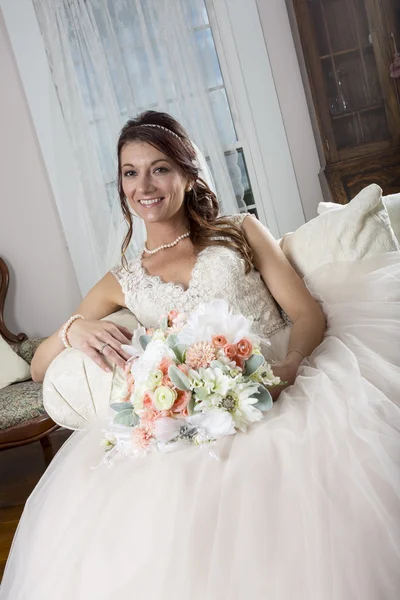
pixel 89 334
pixel 290 293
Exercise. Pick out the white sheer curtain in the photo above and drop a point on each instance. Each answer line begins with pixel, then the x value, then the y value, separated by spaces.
pixel 110 60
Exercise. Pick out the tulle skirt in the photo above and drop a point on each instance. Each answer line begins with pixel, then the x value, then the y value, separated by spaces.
pixel 305 505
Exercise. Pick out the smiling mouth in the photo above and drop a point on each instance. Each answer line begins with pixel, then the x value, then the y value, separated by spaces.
pixel 151 201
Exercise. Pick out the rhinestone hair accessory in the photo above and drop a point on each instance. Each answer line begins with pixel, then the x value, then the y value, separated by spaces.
pixel 161 127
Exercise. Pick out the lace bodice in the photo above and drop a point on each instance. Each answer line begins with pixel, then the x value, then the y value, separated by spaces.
pixel 218 273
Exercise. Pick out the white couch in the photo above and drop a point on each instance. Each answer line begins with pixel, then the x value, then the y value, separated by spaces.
pixel 77 392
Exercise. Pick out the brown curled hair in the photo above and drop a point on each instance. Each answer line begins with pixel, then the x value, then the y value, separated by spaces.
pixel 201 204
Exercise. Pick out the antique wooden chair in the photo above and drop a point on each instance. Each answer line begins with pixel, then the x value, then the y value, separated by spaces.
pixel 23 418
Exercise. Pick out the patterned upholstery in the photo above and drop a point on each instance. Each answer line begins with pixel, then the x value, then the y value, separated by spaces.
pixel 21 402
pixel 27 349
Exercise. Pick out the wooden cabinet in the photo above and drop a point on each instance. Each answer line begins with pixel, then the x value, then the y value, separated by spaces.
pixel 348 47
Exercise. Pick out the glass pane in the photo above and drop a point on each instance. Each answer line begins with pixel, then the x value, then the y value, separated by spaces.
pixel 208 57
pixel 340 22
pixel 253 211
pixel 197 13
pixel 374 86
pixel 347 131
pixel 362 22
pixel 319 26
pixel 223 118
pixel 240 179
pixel 351 81
pixel 333 88
pixel 374 125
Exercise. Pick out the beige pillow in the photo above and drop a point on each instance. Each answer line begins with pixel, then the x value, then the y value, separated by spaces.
pixel 12 367
pixel 347 232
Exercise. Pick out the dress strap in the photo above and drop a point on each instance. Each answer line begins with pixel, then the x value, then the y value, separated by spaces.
pixel 239 218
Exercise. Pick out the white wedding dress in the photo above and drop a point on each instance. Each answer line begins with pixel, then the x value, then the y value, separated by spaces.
pixel 304 506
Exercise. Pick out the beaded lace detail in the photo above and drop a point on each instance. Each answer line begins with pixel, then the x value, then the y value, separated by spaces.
pixel 218 273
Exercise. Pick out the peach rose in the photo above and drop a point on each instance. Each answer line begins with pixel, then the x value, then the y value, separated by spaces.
pixel 166 413
pixel 244 349
pixel 165 365
pixel 239 362
pixel 230 350
pixel 182 401
pixel 219 341
pixel 167 381
pixel 172 316
pixel 147 400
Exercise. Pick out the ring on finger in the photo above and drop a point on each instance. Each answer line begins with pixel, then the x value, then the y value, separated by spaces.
pixel 102 347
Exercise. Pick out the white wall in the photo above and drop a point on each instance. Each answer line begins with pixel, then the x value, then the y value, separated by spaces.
pixel 43 287
pixel 293 102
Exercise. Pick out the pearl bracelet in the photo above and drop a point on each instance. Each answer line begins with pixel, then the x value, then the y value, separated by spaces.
pixel 65 328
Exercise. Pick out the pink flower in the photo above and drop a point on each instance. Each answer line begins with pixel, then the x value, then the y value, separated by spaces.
pixel 184 368
pixel 166 413
pixel 244 349
pixel 181 402
pixel 167 381
pixel 172 316
pixel 147 400
pixel 230 350
pixel 239 362
pixel 148 419
pixel 165 365
pixel 140 437
pixel 150 331
pixel 199 355
pixel 219 341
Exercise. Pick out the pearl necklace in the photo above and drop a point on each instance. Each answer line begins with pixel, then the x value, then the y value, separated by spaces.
pixel 164 246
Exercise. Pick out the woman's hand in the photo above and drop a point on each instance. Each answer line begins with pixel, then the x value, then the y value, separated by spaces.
pixel 286 370
pixel 89 336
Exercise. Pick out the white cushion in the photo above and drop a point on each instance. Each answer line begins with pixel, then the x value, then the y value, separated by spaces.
pixel 12 367
pixel 392 205
pixel 347 232
pixel 76 392
pixel 390 202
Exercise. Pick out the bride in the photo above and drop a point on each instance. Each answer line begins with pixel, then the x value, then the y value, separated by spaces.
pixel 304 505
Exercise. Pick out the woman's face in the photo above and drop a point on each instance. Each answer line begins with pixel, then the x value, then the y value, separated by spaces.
pixel 152 182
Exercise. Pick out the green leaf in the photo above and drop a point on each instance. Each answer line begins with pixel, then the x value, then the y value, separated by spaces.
pixel 118 406
pixel 126 417
pixel 172 340
pixel 216 364
pixel 201 393
pixel 253 363
pixel 178 378
pixel 191 405
pixel 164 323
pixel 144 340
pixel 180 350
pixel 265 401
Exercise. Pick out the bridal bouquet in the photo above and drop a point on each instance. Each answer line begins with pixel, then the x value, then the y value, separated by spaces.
pixel 192 380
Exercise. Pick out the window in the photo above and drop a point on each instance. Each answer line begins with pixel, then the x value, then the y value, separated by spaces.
pixel 129 41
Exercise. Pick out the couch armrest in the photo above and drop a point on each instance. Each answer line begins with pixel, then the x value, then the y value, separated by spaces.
pixel 76 392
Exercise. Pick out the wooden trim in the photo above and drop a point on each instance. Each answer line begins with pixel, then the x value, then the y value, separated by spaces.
pixel 4 282
pixel 28 432
pixel 347 178
pixel 384 56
